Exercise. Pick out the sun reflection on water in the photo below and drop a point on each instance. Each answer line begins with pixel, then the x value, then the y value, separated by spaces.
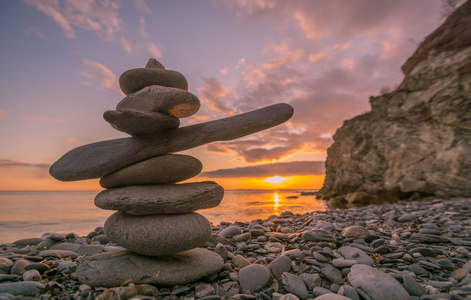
pixel 277 203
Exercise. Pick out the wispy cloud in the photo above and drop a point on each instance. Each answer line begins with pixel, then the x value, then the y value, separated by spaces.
pixel 142 6
pixel 223 70
pixel 265 170
pixel 100 76
pixel 3 113
pixel 7 163
pixel 72 141
pixel 32 30
pixel 154 50
pixel 142 28
pixel 100 16
pixel 130 44
pixel 216 96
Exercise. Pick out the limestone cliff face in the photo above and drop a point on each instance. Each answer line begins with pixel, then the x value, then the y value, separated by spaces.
pixel 415 140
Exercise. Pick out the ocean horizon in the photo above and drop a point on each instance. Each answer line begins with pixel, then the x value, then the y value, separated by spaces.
pixel 26 214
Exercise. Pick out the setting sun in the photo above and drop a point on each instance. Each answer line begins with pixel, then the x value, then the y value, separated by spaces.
pixel 275 179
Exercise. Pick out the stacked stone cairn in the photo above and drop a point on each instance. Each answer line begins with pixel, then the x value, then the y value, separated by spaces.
pixel 155 217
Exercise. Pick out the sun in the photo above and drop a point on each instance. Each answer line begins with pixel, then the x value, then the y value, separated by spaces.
pixel 275 179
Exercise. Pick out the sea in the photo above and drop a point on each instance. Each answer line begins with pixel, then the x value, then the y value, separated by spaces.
pixel 26 214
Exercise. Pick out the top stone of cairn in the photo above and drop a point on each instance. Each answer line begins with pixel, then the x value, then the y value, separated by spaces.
pixel 154 73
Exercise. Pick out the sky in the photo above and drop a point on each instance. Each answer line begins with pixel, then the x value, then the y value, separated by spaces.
pixel 60 61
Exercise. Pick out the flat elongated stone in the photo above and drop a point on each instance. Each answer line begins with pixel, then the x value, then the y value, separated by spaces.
pixel 101 158
pixel 155 235
pixel 140 123
pixel 169 168
pixel 111 269
pixel 135 79
pixel 157 98
pixel 162 198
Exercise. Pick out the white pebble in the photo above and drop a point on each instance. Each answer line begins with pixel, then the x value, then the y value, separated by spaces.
pixel 31 275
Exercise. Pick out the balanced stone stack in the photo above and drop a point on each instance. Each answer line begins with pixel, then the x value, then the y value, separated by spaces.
pixel 156 219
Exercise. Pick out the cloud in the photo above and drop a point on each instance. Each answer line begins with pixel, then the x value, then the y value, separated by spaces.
pixel 3 113
pixel 142 28
pixel 99 76
pixel 142 6
pixel 266 170
pixel 130 45
pixel 223 70
pixel 154 50
pixel 326 59
pixel 100 16
pixel 72 141
pixel 215 95
pixel 32 30
pixel 7 163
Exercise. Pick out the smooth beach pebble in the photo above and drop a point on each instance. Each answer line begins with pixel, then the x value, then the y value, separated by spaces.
pixel 294 284
pixel 162 198
pixel 170 168
pixel 140 123
pixel 230 231
pixel 135 79
pixel 158 234
pixel 357 232
pixel 31 275
pixel 253 277
pixel 372 283
pixel 111 269
pixel 166 100
pixel 279 265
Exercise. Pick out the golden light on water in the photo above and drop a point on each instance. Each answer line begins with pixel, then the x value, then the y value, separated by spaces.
pixel 276 199
pixel 275 179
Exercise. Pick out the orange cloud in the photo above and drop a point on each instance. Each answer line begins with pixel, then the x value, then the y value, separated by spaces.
pixel 154 50
pixel 130 45
pixel 100 76
pixel 99 16
pixel 223 70
pixel 72 141
pixel 216 96
pixel 3 112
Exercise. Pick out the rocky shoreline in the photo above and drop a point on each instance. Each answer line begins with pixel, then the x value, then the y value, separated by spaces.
pixel 405 250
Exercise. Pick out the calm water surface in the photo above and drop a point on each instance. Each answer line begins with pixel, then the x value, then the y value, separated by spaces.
pixel 26 214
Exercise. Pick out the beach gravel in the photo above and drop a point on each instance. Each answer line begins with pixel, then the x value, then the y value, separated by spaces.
pixel 428 257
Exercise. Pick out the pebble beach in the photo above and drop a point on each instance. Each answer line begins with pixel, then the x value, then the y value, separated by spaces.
pixel 405 250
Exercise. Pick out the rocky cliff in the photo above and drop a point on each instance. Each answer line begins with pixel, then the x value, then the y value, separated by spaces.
pixel 416 140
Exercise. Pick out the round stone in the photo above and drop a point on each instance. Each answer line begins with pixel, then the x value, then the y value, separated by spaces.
pixel 162 198
pixel 168 168
pixel 111 269
pixel 167 100
pixel 135 79
pixel 352 253
pixel 253 277
pixel 372 283
pixel 139 123
pixel 155 235
pixel 357 232
pixel 279 265
pixel 332 296
pixel 230 231
pixel 294 284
